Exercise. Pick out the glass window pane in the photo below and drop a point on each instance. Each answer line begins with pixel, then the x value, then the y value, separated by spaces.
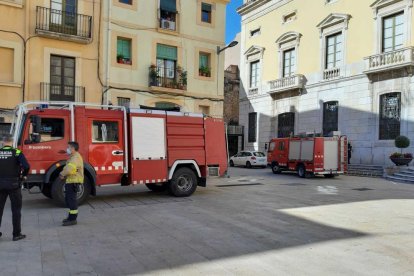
pixel 104 132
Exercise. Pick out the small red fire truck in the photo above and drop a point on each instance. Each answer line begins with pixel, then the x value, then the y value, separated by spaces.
pixel 309 156
pixel 164 150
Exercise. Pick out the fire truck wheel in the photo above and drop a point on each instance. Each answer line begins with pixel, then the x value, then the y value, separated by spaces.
pixel 276 168
pixel 329 175
pixel 301 171
pixel 231 163
pixel 248 165
pixel 158 187
pixel 47 191
pixel 58 191
pixel 183 182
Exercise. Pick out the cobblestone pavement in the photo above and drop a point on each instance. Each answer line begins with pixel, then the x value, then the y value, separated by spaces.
pixel 253 223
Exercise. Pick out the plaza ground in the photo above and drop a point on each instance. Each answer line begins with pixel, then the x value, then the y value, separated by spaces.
pixel 253 223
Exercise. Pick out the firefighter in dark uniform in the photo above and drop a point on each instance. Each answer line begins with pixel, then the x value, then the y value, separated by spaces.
pixel 13 168
pixel 72 173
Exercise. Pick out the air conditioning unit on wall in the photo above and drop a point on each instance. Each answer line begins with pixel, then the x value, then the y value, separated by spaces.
pixel 168 25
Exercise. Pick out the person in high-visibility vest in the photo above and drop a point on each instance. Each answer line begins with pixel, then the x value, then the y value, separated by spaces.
pixel 73 174
pixel 13 168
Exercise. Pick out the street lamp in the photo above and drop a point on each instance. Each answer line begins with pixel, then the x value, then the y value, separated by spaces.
pixel 232 44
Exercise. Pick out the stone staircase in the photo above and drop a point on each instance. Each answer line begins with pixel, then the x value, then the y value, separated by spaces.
pixel 365 170
pixel 406 176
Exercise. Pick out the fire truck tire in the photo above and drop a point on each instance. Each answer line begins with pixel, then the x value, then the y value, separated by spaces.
pixel 47 191
pixel 158 187
pixel 276 168
pixel 329 175
pixel 301 171
pixel 183 182
pixel 58 194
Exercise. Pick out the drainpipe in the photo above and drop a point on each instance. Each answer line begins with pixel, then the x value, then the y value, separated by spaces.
pixel 107 51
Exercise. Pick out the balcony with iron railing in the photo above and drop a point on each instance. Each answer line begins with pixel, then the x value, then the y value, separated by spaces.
pixel 293 82
pixel 250 5
pixel 169 78
pixel 390 60
pixel 59 92
pixel 63 25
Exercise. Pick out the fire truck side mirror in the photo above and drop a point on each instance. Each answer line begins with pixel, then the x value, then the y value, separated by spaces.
pixel 36 128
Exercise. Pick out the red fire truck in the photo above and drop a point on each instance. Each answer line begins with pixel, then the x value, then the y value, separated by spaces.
pixel 164 150
pixel 309 156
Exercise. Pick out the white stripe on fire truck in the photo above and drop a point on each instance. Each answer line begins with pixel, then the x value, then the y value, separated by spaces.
pixel 135 182
pixel 110 168
pixel 147 181
pixel 153 181
pixel 96 168
pixel 42 171
pixel 34 172
pixel 141 182
pixel 103 168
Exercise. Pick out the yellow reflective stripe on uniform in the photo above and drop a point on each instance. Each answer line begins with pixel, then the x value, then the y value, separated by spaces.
pixel 73 212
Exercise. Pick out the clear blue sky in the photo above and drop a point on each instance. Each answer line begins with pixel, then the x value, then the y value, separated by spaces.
pixel 233 20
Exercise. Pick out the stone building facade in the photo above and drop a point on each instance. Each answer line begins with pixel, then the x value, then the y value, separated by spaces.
pixel 345 66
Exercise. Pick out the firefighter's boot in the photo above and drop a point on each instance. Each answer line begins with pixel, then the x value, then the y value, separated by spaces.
pixel 69 223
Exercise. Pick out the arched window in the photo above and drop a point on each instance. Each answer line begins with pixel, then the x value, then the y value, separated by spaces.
pixel 286 124
pixel 330 117
pixel 389 116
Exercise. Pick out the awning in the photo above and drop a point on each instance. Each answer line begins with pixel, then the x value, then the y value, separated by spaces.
pixel 166 52
pixel 168 5
pixel 206 7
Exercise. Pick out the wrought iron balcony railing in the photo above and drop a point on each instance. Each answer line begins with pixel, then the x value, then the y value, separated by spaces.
pixel 168 78
pixel 390 60
pixel 63 25
pixel 287 83
pixel 59 92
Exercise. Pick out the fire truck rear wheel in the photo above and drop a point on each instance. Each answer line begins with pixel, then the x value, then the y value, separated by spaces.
pixel 183 182
pixel 301 171
pixel 158 187
pixel 58 191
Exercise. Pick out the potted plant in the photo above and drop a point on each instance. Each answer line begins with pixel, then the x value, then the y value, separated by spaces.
pixel 206 71
pixel 153 74
pixel 400 158
pixel 120 58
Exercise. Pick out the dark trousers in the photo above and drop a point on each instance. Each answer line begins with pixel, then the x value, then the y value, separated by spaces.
pixel 15 196
pixel 71 201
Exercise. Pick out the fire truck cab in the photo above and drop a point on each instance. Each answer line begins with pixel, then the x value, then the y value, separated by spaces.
pixel 309 156
pixel 164 150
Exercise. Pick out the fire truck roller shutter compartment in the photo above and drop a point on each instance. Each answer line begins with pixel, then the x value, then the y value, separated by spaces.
pixel 148 150
pixel 307 150
pixel 330 159
pixel 294 150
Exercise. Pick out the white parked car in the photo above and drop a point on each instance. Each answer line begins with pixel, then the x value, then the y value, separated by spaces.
pixel 249 159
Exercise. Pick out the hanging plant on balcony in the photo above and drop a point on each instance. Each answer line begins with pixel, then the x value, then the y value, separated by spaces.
pixel 183 80
pixel 153 74
pixel 400 158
